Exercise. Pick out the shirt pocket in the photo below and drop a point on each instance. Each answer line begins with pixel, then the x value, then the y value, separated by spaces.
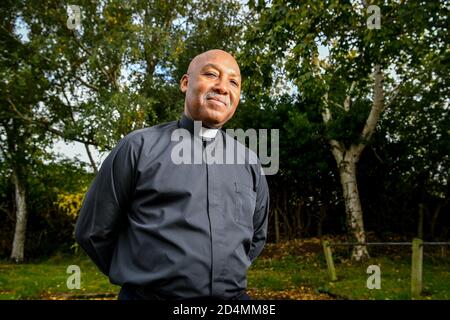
pixel 245 199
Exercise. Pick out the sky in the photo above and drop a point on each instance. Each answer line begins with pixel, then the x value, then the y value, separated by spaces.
pixel 75 150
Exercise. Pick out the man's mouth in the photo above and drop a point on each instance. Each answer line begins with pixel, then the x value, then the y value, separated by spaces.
pixel 216 98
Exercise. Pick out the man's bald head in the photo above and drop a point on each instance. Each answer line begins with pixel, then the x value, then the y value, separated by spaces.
pixel 211 54
pixel 212 86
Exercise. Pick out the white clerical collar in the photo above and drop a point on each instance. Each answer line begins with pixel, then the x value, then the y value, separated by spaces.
pixel 208 132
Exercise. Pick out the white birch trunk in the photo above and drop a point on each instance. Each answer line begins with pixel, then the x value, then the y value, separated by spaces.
pixel 347 159
pixel 354 213
pixel 18 247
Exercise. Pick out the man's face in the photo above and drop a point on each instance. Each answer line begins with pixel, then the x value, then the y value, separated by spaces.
pixel 212 87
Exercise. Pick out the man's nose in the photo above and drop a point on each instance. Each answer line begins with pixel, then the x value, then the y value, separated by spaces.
pixel 220 86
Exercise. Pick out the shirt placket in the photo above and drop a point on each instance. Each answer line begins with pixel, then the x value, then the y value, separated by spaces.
pixel 216 220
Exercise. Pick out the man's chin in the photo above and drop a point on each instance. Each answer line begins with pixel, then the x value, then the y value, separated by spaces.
pixel 213 119
pixel 212 123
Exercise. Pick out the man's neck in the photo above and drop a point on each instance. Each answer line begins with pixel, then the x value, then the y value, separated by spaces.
pixel 205 131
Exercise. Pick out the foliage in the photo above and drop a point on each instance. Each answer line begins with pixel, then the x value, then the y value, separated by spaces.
pixel 70 203
pixel 116 72
pixel 297 190
pixel 119 71
pixel 322 55
pixel 49 227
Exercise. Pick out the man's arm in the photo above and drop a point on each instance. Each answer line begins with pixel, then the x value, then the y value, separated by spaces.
pixel 106 204
pixel 260 218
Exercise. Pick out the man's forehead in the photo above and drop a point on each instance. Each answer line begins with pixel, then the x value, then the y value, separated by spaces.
pixel 216 59
pixel 229 69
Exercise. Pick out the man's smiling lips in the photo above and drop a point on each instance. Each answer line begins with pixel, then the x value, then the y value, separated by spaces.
pixel 218 100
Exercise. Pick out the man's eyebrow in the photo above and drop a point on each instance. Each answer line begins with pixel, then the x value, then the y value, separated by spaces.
pixel 215 66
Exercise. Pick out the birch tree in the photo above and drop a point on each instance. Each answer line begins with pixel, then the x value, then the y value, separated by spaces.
pixel 350 59
pixel 22 87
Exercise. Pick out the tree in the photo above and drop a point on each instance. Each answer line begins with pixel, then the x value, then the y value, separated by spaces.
pixel 95 77
pixel 116 71
pixel 418 143
pixel 361 74
pixel 22 87
pixel 300 198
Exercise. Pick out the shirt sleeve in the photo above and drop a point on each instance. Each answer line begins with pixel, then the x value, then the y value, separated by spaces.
pixel 106 204
pixel 260 218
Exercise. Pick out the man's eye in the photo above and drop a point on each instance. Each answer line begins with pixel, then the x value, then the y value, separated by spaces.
pixel 210 74
pixel 234 83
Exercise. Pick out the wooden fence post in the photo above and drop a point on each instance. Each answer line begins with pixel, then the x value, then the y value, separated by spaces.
pixel 329 259
pixel 416 268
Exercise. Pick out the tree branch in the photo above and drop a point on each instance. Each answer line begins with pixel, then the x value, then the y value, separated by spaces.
pixel 44 123
pixel 90 86
pixel 326 114
pixel 91 159
pixel 102 69
pixel 375 111
pixel 338 150
pixel 5 154
pixel 377 105
pixel 348 97
pixel 376 155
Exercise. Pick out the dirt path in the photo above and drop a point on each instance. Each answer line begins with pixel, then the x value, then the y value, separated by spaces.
pixel 294 293
pixel 301 293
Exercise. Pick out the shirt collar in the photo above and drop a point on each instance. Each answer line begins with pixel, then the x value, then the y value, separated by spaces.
pixel 188 124
pixel 208 133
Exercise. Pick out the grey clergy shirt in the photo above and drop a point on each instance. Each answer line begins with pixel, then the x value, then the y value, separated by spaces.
pixel 184 230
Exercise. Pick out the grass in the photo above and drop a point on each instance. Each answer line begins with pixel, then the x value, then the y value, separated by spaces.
pixel 47 278
pixel 291 270
pixel 308 269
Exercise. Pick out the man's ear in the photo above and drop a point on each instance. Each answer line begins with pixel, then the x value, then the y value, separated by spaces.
pixel 184 83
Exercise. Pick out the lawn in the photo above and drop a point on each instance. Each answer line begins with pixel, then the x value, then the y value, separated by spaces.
pixel 290 270
pixel 47 279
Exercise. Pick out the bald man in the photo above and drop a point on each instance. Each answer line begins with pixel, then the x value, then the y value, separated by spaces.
pixel 213 87
pixel 169 230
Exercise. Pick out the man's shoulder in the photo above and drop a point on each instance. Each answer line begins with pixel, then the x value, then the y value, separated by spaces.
pixel 150 133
